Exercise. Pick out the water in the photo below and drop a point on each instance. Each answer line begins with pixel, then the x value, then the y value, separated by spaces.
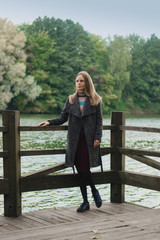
pixel 71 196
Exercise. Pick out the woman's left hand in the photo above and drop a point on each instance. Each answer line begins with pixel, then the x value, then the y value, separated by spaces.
pixel 96 143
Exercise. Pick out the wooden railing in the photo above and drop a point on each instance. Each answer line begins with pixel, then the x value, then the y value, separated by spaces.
pixel 12 184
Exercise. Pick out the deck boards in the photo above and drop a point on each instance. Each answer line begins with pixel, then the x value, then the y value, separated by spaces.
pixel 111 222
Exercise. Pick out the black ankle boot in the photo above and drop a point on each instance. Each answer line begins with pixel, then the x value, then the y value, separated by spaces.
pixel 83 207
pixel 97 199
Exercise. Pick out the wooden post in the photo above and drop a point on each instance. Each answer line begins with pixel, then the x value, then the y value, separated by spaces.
pixel 11 143
pixel 117 158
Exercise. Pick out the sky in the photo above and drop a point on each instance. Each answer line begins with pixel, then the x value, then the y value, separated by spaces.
pixel 100 17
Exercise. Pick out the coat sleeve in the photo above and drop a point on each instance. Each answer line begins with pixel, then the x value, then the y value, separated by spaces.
pixel 63 116
pixel 99 126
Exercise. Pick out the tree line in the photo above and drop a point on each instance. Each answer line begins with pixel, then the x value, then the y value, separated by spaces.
pixel 39 63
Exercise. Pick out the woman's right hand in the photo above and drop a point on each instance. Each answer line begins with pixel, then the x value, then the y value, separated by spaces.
pixel 43 124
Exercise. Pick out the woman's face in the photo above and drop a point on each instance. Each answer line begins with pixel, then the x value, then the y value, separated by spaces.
pixel 80 84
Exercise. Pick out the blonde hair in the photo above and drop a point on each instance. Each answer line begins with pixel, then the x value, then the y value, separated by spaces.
pixel 89 90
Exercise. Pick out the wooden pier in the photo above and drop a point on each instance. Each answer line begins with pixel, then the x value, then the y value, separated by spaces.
pixel 112 221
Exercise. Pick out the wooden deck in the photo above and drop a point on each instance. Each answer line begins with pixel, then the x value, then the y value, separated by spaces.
pixel 112 221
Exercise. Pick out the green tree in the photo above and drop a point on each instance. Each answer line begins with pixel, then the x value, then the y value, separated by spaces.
pixel 73 52
pixel 131 91
pixel 39 48
pixel 152 72
pixel 100 72
pixel 119 61
pixel 143 90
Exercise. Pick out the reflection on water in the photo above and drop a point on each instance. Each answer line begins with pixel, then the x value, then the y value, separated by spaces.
pixel 71 196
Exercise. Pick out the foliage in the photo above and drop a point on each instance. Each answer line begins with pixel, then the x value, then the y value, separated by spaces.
pixel 39 48
pixel 13 78
pixel 73 50
pixel 102 79
pixel 125 70
pixel 143 90
pixel 119 61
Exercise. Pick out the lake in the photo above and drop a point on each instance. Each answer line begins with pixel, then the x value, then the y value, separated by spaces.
pixel 71 196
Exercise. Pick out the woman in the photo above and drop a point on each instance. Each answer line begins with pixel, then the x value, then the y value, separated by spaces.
pixel 83 112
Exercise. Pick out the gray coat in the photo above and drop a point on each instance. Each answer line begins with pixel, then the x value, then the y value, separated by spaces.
pixel 91 120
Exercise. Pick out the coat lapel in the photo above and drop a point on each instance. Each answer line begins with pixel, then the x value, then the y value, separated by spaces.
pixel 87 109
pixel 75 108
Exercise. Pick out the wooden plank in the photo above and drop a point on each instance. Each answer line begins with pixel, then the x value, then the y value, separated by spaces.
pixel 11 164
pixel 139 152
pixel 122 226
pixel 4 186
pixel 44 224
pixel 3 129
pixel 117 158
pixel 109 127
pixel 55 128
pixel 62 181
pixel 76 230
pixel 4 154
pixel 145 160
pixel 87 230
pixel 49 219
pixel 32 216
pixel 57 216
pixel 48 128
pixel 107 150
pixel 145 214
pixel 128 232
pixel 139 180
pixel 45 171
pixel 6 227
pixel 20 223
pixel 144 221
pixel 146 235
pixel 104 151
pixel 142 129
pixel 56 231
pixel 69 211
pixel 116 208
pixel 42 152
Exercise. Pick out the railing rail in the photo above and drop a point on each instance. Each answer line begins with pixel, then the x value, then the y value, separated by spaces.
pixel 140 129
pixel 12 184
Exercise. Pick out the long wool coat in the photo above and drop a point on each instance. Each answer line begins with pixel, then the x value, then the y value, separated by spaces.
pixel 91 120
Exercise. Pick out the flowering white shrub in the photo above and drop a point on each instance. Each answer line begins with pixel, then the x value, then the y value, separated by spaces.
pixel 13 79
